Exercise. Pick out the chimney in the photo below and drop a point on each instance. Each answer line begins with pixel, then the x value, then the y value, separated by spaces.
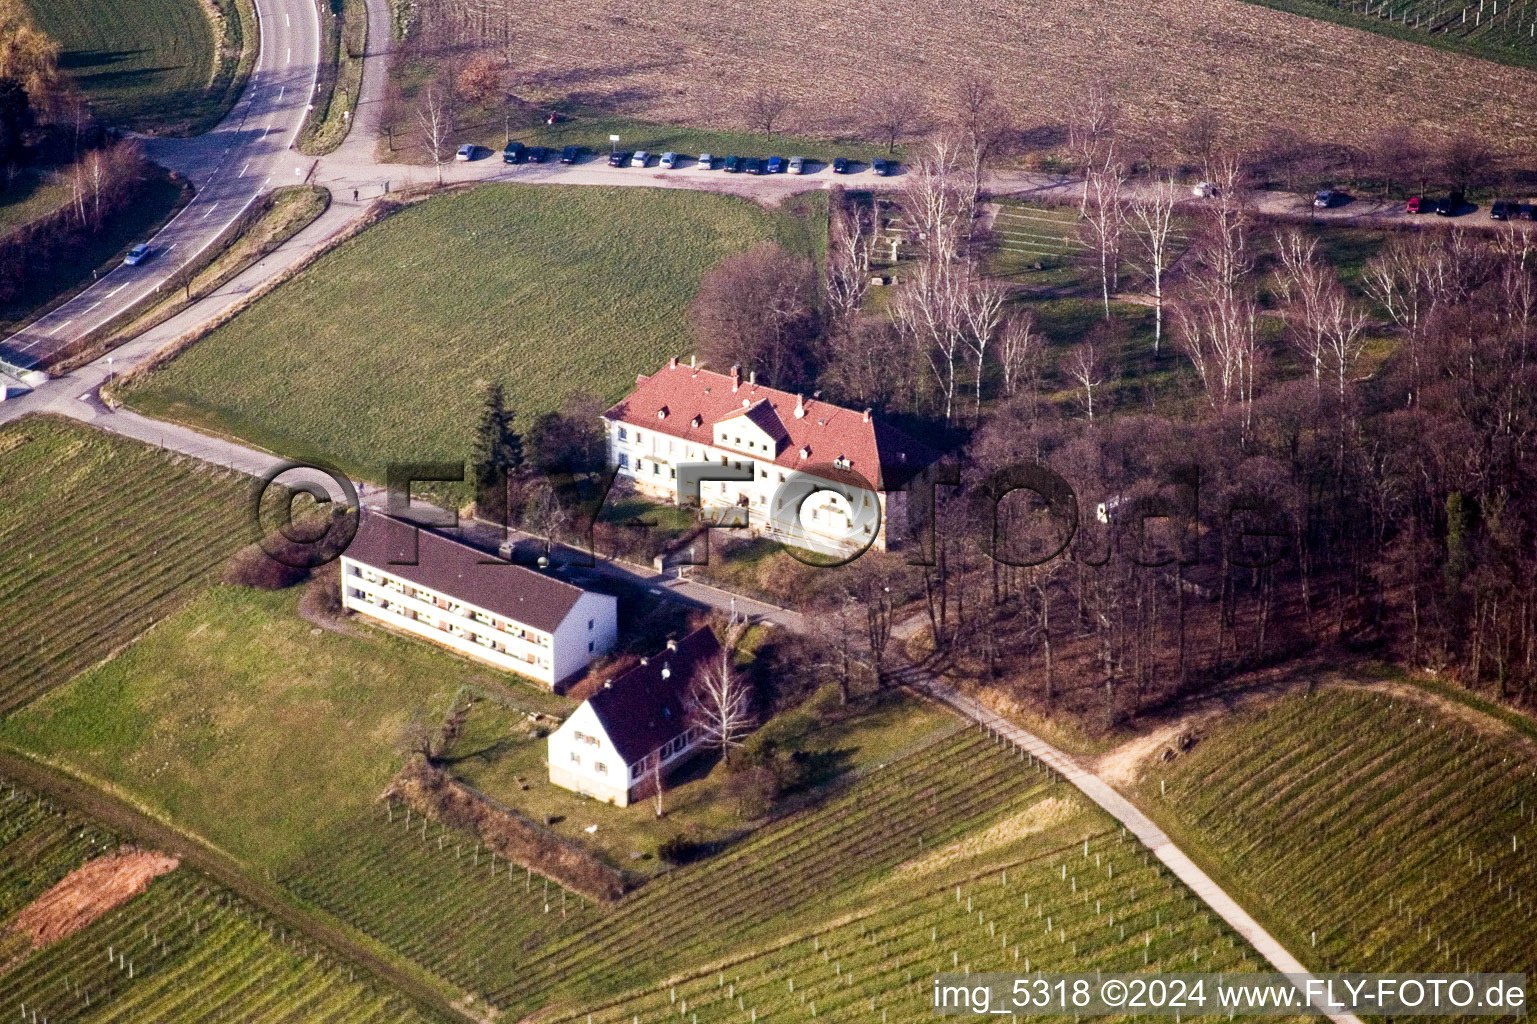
pixel 752 378
pixel 644 660
pixel 672 645
pixel 666 672
pixel 691 362
pixel 672 364
pixel 736 377
pixel 867 415
pixel 800 406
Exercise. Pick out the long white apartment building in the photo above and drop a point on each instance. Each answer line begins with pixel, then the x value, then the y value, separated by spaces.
pixel 443 590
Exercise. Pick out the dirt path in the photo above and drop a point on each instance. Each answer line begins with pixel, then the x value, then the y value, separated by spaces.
pixel 89 892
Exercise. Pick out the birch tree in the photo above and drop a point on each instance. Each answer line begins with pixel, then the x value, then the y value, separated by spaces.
pixel 1150 216
pixel 720 706
pixel 433 118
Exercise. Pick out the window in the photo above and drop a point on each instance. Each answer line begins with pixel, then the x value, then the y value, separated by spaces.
pixel 763 474
pixel 589 623
pixel 600 767
pixel 590 646
pixel 576 758
pixel 624 461
pixel 623 434
pixel 639 437
pixel 656 469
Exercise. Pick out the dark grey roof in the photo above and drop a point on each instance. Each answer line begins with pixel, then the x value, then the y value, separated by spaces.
pixel 641 710
pixel 458 570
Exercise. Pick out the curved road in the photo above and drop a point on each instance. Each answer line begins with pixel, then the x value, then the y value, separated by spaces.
pixel 231 165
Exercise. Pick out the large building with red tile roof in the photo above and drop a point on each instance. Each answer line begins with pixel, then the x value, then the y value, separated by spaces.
pixel 770 442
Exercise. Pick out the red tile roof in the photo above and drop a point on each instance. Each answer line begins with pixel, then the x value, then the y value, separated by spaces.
pixel 686 402
pixel 645 707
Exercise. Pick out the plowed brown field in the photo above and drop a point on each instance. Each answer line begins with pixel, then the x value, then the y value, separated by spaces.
pixel 1254 67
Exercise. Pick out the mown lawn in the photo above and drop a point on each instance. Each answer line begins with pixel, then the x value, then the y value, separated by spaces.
pixel 239 721
pixel 148 65
pixel 380 351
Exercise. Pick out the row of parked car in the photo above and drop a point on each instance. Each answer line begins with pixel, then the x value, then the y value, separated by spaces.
pixel 517 153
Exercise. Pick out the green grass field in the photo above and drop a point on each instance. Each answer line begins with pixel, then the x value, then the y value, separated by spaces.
pixel 239 721
pixel 380 350
pixel 148 65
pixel 30 195
pixel 1401 834
pixel 184 951
pixel 102 537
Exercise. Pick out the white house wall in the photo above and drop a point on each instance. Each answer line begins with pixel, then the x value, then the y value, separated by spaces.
pixel 589 629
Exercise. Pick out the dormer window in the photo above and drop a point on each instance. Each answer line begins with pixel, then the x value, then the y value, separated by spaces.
pixel 661 413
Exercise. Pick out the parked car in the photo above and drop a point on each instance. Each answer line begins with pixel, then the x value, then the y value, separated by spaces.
pixel 1501 209
pixel 466 151
pixel 640 159
pixel 841 165
pixel 1449 206
pixel 1417 204
pixel 753 165
pixel 776 165
pixel 1527 212
pixel 706 161
pixel 883 168
pixel 514 153
pixel 668 160
pixel 138 254
pixel 1327 198
pixel 1205 189
pixel 797 165
pixel 571 154
pixel 619 159
pixel 537 154
pixel 733 164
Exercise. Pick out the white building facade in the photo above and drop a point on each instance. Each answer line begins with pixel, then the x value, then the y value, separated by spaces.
pixel 633 731
pixel 768 440
pixel 508 616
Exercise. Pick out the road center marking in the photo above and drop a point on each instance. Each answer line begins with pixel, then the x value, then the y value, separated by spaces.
pixel 59 328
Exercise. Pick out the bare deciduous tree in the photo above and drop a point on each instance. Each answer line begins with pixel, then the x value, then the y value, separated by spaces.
pixel 1085 364
pixel 848 259
pixel 756 310
pixel 982 312
pixel 1091 125
pixel 893 114
pixel 1101 224
pixel 433 118
pixel 720 706
pixel 1151 218
pixel 983 123
pixel 765 108
pixel 1019 349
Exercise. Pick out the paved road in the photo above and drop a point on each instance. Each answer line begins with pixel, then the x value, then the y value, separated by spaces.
pixel 246 154
pixel 1139 824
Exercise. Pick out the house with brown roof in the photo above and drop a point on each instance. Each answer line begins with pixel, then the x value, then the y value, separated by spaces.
pixel 613 746
pixel 443 590
pixel 772 443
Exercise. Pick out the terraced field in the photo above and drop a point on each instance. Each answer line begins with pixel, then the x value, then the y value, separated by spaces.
pixel 432 895
pixel 1102 904
pixel 101 537
pixel 185 951
pixel 1403 836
